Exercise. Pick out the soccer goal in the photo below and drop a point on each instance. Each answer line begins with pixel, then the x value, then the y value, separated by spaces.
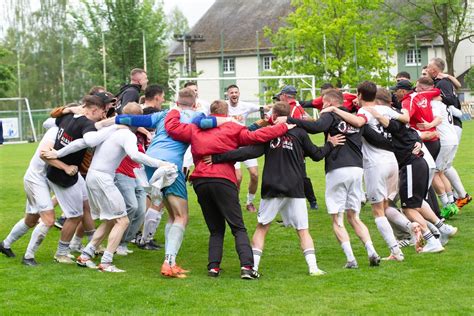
pixel 17 120
pixel 258 90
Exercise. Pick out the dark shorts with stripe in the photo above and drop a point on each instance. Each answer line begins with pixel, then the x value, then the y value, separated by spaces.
pixel 414 179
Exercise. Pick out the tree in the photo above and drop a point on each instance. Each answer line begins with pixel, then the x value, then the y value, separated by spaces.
pixel 449 19
pixel 335 40
pixel 177 23
pixel 7 79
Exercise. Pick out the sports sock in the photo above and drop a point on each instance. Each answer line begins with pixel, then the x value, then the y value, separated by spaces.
pixel 75 242
pixel 257 255
pixel 17 231
pixel 167 230
pixel 170 259
pixel 433 228
pixel 107 258
pixel 152 221
pixel 427 235
pixel 346 247
pixel 250 198
pixel 397 218
pixel 387 233
pixel 88 251
pixel 444 199
pixel 175 238
pixel 89 234
pixel 450 197
pixel 63 248
pixel 456 182
pixel 369 246
pixel 36 239
pixel 310 257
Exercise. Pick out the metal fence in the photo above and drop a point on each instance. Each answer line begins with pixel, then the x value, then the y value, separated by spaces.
pixel 26 132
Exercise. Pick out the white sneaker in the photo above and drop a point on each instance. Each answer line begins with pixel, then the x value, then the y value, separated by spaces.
pixel 121 251
pixel 63 259
pixel 316 272
pixel 395 257
pixel 433 245
pixel 448 230
pixel 86 263
pixel 103 267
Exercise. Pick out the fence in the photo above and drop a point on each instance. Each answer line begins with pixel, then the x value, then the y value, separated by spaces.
pixel 39 116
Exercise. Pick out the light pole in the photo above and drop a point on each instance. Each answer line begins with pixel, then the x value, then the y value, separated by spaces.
pixel 188 40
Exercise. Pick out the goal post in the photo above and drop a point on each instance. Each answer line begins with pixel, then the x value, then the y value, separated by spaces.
pixel 17 120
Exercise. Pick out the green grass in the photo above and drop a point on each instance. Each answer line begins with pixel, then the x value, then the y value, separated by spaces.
pixel 430 283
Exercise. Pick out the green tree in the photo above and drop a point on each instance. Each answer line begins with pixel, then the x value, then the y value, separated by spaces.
pixel 451 20
pixel 7 79
pixel 351 32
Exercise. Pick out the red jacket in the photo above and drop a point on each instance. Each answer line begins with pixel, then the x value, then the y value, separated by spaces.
pixel 418 105
pixel 348 102
pixel 221 139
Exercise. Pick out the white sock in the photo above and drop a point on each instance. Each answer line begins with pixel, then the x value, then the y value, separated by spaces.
pixel 257 255
pixel 433 228
pixel 369 246
pixel 175 238
pixel 107 257
pixel 310 256
pixel 396 217
pixel 63 248
pixel 170 259
pixel 387 234
pixel 450 197
pixel 152 221
pixel 346 247
pixel 75 242
pixel 89 251
pixel 456 182
pixel 250 198
pixel 17 231
pixel 167 230
pixel 444 199
pixel 36 239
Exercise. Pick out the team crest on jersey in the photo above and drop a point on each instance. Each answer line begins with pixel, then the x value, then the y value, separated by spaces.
pixel 284 142
pixel 423 103
pixel 345 128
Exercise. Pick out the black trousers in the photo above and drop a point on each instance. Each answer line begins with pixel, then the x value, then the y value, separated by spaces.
pixel 308 190
pixel 219 200
pixel 434 148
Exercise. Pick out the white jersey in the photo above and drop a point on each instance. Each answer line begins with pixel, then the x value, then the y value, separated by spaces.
pixel 203 106
pixel 373 156
pixel 446 130
pixel 242 109
pixel 36 171
pixel 109 154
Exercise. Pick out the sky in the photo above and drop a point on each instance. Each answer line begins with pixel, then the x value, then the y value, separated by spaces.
pixel 192 9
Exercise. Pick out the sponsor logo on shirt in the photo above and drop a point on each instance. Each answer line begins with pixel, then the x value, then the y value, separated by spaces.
pixel 345 128
pixel 423 103
pixel 284 142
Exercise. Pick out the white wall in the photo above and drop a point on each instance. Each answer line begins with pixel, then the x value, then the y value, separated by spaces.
pixel 208 89
pixel 465 48
pixel 247 67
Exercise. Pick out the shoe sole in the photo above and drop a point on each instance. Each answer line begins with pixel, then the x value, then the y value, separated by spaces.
pixel 438 250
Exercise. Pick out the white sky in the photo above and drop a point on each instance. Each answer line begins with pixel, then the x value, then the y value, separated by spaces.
pixel 192 9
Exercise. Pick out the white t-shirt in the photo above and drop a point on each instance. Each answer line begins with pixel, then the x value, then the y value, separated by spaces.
pixel 203 106
pixel 446 130
pixel 109 154
pixel 37 169
pixel 242 109
pixel 373 156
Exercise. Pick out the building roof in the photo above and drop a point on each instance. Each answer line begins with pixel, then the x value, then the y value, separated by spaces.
pixel 238 21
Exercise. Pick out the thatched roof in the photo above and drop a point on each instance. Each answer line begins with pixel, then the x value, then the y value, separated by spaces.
pixel 238 20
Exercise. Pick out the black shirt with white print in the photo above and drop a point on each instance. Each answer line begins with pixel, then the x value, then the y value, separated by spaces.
pixel 71 127
pixel 349 155
pixel 449 96
pixel 284 167
pixel 403 140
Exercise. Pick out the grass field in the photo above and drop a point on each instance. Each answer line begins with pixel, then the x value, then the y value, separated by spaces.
pixel 423 284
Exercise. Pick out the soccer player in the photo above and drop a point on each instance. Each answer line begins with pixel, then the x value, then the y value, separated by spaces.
pixel 283 189
pixel 131 92
pixel 343 178
pixel 38 204
pixel 350 99
pixel 176 197
pixel 380 166
pixel 70 190
pixel 216 185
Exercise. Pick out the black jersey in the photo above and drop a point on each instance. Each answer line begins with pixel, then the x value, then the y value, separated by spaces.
pixel 449 96
pixel 284 168
pixel 349 155
pixel 71 127
pixel 403 141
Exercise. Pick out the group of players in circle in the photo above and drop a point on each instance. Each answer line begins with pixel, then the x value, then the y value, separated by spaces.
pixel 93 156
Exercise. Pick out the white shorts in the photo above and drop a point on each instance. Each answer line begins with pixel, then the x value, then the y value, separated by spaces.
pixel 248 163
pixel 445 157
pixel 293 211
pixel 105 199
pixel 38 196
pixel 344 189
pixel 188 158
pixel 381 182
pixel 71 199
pixel 458 132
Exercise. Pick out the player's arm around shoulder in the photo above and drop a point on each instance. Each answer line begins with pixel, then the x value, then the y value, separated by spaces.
pixel 177 130
pixel 262 135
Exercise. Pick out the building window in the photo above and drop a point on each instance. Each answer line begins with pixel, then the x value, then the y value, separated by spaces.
pixel 228 65
pixel 413 57
pixel 267 62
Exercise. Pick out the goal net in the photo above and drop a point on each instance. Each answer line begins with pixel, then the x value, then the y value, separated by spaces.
pixel 17 120
pixel 257 90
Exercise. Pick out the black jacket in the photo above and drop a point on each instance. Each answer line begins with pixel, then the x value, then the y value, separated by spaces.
pixel 128 93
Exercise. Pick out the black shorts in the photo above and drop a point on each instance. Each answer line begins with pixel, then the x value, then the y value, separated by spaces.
pixel 414 179
pixel 433 147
